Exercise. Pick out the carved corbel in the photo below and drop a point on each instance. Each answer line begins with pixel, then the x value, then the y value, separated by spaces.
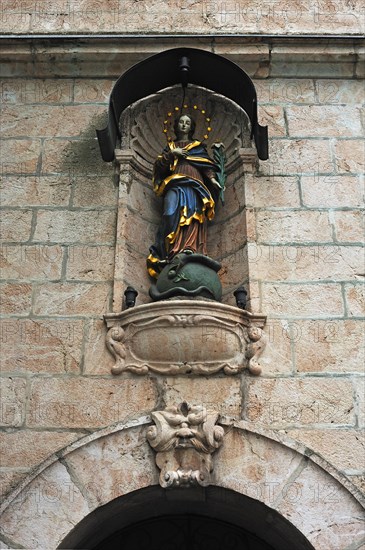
pixel 185 337
pixel 184 438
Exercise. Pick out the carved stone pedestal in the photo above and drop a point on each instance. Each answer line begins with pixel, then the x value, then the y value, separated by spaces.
pixel 185 337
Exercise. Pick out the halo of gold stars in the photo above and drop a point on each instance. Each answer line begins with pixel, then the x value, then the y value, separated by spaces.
pixel 170 116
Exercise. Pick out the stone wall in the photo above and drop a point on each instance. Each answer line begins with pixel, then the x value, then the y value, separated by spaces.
pixel 303 221
pixel 183 17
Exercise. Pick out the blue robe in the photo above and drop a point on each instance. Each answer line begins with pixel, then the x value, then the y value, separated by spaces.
pixel 187 197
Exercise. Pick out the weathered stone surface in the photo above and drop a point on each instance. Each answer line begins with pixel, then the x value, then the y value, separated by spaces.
pixel 92 91
pixel 305 263
pixel 129 465
pixel 13 396
pixel 360 65
pixel 285 90
pixel 359 482
pixel 298 300
pixel 290 157
pixel 277 355
pixel 36 262
pixel 52 499
pixel 323 510
pixel 16 298
pixel 94 191
pixel 216 394
pixel 355 300
pixel 273 117
pixel 63 226
pixel 350 226
pixel 76 156
pixel 41 345
pixel 234 198
pixel 254 297
pixel 90 263
pixel 143 201
pixel 30 91
pixel 324 121
pixel 225 238
pixel 350 156
pixel 359 384
pixel 298 69
pixel 9 479
pixel 293 226
pixel 234 271
pixel 272 191
pixel 144 231
pixel 97 359
pixel 71 299
pixel 15 225
pixel 26 190
pixel 27 448
pixel 306 402
pixel 130 270
pixel 332 191
pixel 340 91
pixel 342 448
pixel 329 346
pixel 20 156
pixel 176 17
pixel 250 466
pixel 88 403
pixel 49 121
pixel 251 230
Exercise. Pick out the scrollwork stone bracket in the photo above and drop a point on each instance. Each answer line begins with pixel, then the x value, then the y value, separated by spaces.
pixel 184 438
pixel 185 337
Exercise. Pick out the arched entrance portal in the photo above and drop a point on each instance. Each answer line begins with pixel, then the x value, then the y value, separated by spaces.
pixel 213 518
pixel 183 532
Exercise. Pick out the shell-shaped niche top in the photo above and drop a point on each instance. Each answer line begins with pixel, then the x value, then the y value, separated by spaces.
pixel 142 124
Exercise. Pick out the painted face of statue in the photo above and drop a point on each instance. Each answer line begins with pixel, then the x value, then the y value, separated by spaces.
pixel 184 124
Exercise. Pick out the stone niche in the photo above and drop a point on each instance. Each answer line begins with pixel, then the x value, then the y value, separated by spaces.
pixel 139 209
pixel 180 336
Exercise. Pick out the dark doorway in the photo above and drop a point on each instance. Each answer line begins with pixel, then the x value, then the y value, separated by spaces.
pixel 183 532
pixel 198 518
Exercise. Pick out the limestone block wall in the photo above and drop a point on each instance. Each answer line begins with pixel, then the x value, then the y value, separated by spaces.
pixel 303 227
pixel 183 17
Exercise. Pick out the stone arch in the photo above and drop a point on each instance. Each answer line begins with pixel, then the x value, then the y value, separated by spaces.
pixel 279 476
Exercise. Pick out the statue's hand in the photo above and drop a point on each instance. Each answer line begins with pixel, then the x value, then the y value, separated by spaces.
pixel 179 152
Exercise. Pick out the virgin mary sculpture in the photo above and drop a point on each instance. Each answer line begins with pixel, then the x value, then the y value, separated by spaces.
pixel 186 177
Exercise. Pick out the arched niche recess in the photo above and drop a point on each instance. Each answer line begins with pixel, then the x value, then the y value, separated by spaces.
pixel 273 489
pixel 139 212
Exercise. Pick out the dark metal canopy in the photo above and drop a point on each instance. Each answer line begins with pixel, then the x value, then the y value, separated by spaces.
pixel 184 66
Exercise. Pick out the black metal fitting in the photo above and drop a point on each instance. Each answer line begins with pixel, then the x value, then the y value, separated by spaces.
pixel 184 70
pixel 130 296
pixel 240 294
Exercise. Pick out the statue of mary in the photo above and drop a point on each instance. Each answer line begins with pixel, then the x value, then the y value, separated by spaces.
pixel 186 177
